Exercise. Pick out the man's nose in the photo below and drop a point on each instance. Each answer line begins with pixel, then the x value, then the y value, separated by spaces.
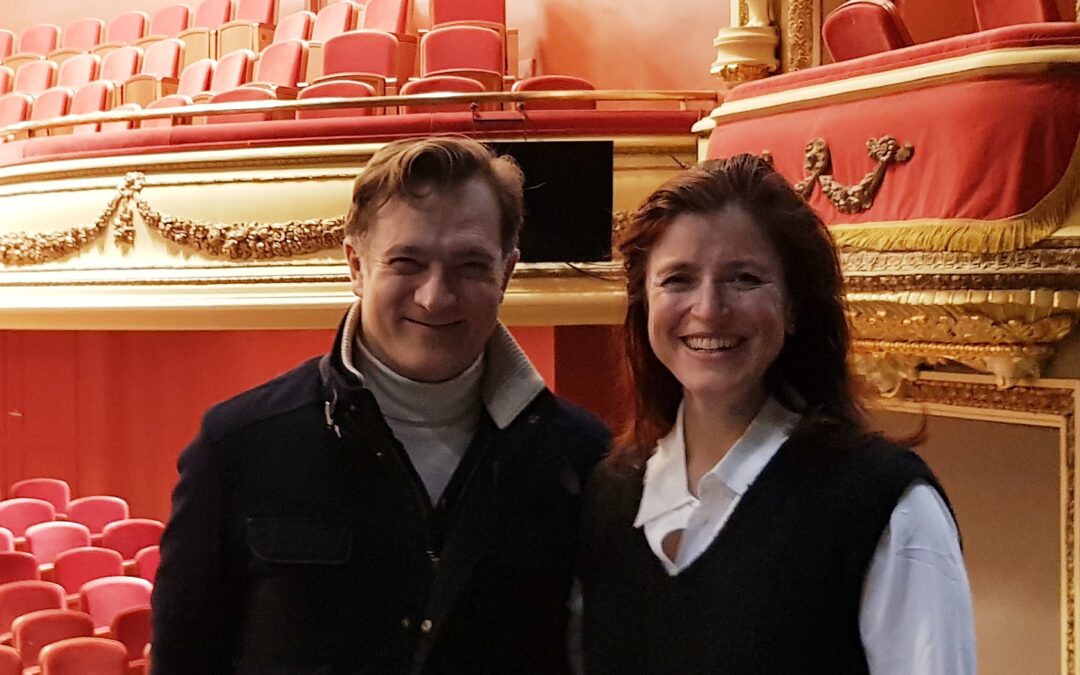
pixel 435 293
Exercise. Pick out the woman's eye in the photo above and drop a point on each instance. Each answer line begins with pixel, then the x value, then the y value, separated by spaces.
pixel 745 281
pixel 676 281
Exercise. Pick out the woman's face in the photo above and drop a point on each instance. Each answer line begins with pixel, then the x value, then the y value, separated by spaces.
pixel 718 307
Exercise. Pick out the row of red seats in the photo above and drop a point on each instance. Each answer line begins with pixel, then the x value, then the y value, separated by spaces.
pixel 863 27
pixel 76 656
pixel 34 614
pixel 74 567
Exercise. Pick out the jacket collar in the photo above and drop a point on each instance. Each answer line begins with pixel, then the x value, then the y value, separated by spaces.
pixel 510 381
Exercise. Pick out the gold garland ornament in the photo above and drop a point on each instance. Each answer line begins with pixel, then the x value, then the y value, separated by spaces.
pixel 235 241
pixel 855 198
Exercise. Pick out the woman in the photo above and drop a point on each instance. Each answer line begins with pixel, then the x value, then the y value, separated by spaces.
pixel 748 522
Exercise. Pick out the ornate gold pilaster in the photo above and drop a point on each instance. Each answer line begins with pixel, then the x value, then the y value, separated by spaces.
pixel 746 50
pixel 1043 403
pixel 800 31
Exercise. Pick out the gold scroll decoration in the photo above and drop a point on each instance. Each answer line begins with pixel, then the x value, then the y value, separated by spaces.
pixel 860 196
pixel 234 241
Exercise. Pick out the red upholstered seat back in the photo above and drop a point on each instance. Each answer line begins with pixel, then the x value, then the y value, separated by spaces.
pixel 104 598
pixel 440 83
pixel 39 39
pixel 21 597
pixel 18 566
pixel 20 513
pixel 120 65
pixel 7 539
pixel 335 88
pixel 14 108
pixel 83 34
pixel 53 490
pixel 555 83
pixel 75 567
pixel 128 27
pixel 7 42
pixel 147 561
pixel 236 96
pixel 196 78
pixel 169 21
pixel 97 96
pixel 464 11
pixel 97 511
pixel 282 63
pixel 863 27
pixel 129 535
pixel 77 70
pixel 47 540
pixel 33 631
pixel 296 26
pixel 10 661
pixel 334 19
pixel 7 75
pixel 257 11
pixel 163 58
pixel 460 47
pixel 131 628
pixel 997 13
pixel 212 13
pixel 233 70
pixel 82 655
pixel 52 103
pixel 361 51
pixel 388 15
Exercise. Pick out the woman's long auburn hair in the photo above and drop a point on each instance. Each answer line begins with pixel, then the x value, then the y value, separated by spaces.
pixel 810 375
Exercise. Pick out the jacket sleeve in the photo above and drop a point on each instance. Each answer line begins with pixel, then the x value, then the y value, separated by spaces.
pixel 193 606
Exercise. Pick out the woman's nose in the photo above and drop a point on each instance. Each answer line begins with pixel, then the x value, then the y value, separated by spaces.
pixel 710 300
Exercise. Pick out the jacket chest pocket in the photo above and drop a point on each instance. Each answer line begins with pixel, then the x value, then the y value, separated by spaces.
pixel 292 540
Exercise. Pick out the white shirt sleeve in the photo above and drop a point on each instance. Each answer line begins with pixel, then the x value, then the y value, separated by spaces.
pixel 916 615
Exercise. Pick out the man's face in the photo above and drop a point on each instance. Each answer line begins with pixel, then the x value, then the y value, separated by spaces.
pixel 431 277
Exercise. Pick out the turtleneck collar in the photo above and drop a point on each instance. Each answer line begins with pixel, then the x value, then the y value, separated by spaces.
pixel 508 380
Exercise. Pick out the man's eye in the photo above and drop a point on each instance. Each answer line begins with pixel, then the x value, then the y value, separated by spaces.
pixel 404 265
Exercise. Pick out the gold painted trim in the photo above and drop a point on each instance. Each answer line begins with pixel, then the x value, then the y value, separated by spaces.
pixel 1035 302
pixel 1025 60
pixel 798 36
pixel 1054 403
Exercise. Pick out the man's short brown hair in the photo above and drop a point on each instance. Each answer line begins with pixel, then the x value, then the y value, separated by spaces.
pixel 410 169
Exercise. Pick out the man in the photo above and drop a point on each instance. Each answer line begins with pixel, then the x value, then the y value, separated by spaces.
pixel 409 501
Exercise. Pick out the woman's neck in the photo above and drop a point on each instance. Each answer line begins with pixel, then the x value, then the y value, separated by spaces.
pixel 710 428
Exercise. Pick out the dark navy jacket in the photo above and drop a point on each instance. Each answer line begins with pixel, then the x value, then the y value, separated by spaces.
pixel 301 540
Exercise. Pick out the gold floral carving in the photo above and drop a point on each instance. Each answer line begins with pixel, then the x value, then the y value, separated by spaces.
pixel 954 324
pixel 742 72
pixel 235 241
pixel 855 198
pixel 942 267
pixel 798 35
pixel 815 162
pixel 744 12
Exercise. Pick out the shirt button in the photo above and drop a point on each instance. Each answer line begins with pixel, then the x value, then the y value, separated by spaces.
pixel 425 626
pixel 405 623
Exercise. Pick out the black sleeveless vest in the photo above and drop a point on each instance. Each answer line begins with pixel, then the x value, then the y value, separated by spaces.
pixel 779 589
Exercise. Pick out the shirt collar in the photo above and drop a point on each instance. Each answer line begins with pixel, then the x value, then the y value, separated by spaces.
pixel 509 381
pixel 665 488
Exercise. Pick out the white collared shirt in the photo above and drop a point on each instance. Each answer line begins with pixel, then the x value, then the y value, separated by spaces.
pixel 915 615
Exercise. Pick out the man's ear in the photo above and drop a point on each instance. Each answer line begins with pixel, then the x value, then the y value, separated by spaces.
pixel 509 262
pixel 354 256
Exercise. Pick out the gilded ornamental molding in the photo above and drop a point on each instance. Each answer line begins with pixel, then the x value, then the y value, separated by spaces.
pixel 860 196
pixel 232 241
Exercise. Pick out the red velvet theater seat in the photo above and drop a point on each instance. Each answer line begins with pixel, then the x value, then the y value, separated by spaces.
pixel 18 566
pixel 200 38
pixel 239 95
pixel 7 76
pixel 169 21
pixel 333 89
pixel 7 43
pixel 334 19
pixel 196 80
pixel 47 540
pixel 79 37
pixel 233 70
pixel 440 84
pixel 121 64
pixel 252 27
pixel 92 97
pixel 296 26
pixel 124 29
pixel 83 655
pixel 76 566
pixel 53 490
pixel 158 75
pixel 34 77
pixel 367 56
pixel 32 632
pixel 97 511
pixel 34 43
pixel 78 69
pixel 14 108
pixel 281 67
pixel 555 83
pixel 50 104
pixel 863 27
pixel 106 597
pixel 464 51
pixel 121 125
